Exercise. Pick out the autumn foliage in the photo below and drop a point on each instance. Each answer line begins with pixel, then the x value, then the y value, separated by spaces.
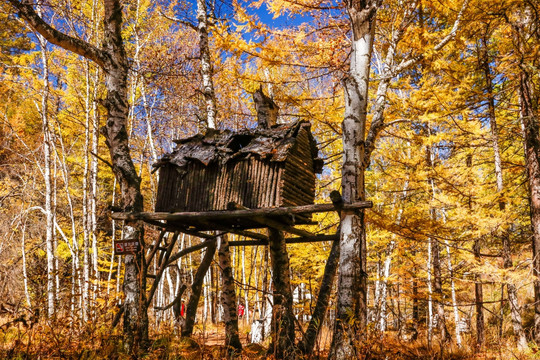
pixel 453 238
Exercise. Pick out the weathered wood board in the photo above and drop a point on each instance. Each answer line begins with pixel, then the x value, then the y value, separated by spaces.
pixel 259 168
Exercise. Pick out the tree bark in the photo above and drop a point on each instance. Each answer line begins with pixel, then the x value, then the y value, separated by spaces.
pixel 245 291
pixel 523 29
pixel 116 72
pixel 24 268
pixel 438 292
pixel 531 144
pixel 283 346
pixel 383 286
pixel 511 290
pixel 85 205
pixel 265 291
pixel 351 312
pixel 228 296
pixel 430 293
pixel 213 294
pixel 415 303
pixel 479 301
pixel 206 65
pixel 94 187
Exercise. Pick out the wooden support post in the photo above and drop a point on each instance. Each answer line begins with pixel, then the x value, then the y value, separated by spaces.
pixel 190 249
pixel 162 266
pixel 323 298
pixel 155 248
pixel 196 288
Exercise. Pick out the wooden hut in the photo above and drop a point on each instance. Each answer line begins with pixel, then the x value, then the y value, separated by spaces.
pixel 253 168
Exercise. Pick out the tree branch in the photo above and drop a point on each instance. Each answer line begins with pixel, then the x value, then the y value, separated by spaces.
pixel 78 46
pixel 405 64
pixel 377 123
pixel 180 21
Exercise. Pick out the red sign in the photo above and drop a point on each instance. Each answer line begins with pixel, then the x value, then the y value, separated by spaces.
pixel 124 247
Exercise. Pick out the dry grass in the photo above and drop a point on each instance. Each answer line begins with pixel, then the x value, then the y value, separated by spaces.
pixel 61 340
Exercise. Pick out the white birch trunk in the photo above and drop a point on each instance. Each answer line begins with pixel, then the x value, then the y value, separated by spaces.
pixel 206 65
pixel 55 238
pixel 119 270
pixel 387 262
pixel 205 294
pixel 171 291
pixel 352 283
pixel 47 159
pixel 74 245
pixel 190 261
pixel 377 293
pixel 453 289
pixel 25 273
pixel 228 295
pixel 93 184
pixel 384 285
pixel 85 204
pixel 94 162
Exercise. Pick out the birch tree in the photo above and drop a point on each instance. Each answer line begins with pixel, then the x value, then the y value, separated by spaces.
pixel 357 149
pixel 228 295
pixel 48 177
pixel 111 57
pixel 352 281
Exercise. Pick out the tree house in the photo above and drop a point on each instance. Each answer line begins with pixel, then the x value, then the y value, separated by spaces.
pixel 234 181
pixel 251 168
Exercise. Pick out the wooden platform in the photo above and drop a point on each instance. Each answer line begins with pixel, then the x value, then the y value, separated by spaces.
pixel 241 221
pixel 209 225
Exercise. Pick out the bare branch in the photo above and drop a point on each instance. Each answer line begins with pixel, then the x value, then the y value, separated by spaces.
pixel 78 46
pixel 405 64
pixel 377 123
pixel 177 20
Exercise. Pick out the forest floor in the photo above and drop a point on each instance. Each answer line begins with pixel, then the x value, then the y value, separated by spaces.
pixel 48 340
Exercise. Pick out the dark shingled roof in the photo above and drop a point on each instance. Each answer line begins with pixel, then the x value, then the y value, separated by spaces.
pixel 272 144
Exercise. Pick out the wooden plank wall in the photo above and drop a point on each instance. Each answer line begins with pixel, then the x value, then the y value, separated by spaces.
pixel 250 182
pixel 298 187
